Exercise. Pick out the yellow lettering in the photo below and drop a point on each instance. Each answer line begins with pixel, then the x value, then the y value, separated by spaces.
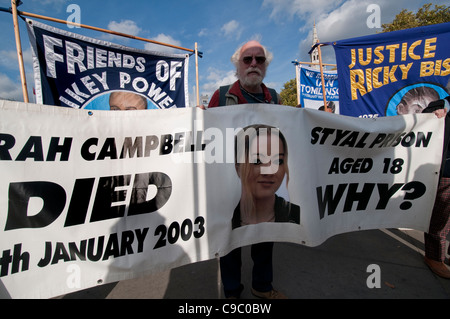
pixel 392 48
pixel 392 74
pixel 379 55
pixel 369 80
pixel 357 84
pixel 446 65
pixel 386 75
pixel 426 68
pixel 376 84
pixel 404 51
pixel 405 70
pixel 353 54
pixel 428 48
pixel 411 50
pixel 437 69
pixel 368 56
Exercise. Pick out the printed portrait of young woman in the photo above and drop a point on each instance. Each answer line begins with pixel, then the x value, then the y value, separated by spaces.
pixel 261 162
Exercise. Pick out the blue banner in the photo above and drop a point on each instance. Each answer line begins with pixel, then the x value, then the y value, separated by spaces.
pixel 393 73
pixel 75 71
pixel 310 89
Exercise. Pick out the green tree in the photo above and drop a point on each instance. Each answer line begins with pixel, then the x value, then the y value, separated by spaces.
pixel 289 93
pixel 424 16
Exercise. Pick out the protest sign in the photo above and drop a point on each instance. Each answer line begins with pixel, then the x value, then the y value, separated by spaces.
pixel 91 197
pixel 393 73
pixel 77 71
pixel 310 88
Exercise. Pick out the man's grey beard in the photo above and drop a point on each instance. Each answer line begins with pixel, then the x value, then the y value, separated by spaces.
pixel 253 81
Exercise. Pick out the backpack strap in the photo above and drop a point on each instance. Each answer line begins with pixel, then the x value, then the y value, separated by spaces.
pixel 274 95
pixel 222 91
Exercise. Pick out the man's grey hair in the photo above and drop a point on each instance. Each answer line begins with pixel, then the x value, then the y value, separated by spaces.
pixel 237 56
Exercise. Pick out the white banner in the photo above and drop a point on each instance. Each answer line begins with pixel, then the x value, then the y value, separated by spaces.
pixel 91 197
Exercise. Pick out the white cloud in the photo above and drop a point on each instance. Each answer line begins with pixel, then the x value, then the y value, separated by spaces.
pixel 232 29
pixel 335 19
pixel 8 59
pixel 12 89
pixel 216 78
pixel 335 25
pixel 347 21
pixel 305 9
pixel 50 2
pixel 163 38
pixel 56 5
pixel 9 89
pixel 203 32
pixel 125 26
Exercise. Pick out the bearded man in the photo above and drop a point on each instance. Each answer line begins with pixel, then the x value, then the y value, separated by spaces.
pixel 251 61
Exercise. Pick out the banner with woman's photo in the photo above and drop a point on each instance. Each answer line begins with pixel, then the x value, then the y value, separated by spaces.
pixel 76 71
pixel 92 197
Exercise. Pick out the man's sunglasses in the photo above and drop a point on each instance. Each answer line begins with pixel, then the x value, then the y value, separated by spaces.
pixel 249 59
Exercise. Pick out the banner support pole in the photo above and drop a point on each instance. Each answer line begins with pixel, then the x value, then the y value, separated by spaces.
pixel 196 74
pixel 324 93
pixel 297 81
pixel 37 16
pixel 313 63
pixel 19 51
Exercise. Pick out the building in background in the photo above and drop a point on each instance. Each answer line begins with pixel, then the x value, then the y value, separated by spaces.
pixel 315 52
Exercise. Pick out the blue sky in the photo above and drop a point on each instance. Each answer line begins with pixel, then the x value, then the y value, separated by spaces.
pixel 284 26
